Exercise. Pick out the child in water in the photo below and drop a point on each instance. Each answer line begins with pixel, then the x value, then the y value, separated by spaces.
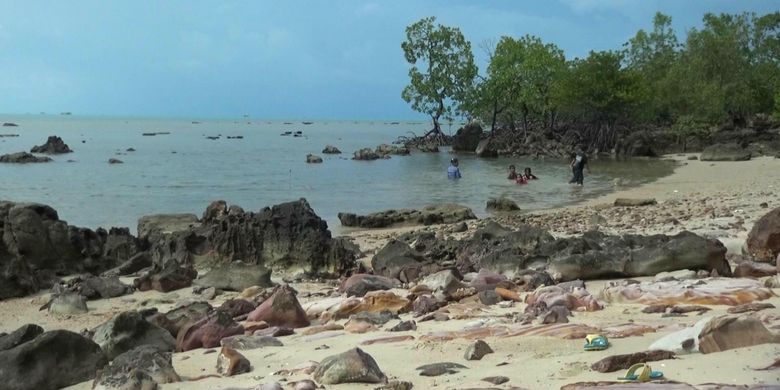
pixel 512 173
pixel 453 172
pixel 528 175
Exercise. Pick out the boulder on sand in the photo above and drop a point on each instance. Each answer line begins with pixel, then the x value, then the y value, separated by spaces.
pixel 236 276
pixel 230 362
pixel 172 277
pixel 429 215
pixel 763 241
pixel 752 269
pixel 53 360
pixel 23 158
pixel 397 260
pixel 135 369
pixel 725 152
pixel 20 336
pixel 501 204
pixel 730 332
pixel 128 330
pixel 208 332
pixel 623 362
pixel 53 145
pixel 353 366
pixel 359 284
pixel 631 202
pixel 281 309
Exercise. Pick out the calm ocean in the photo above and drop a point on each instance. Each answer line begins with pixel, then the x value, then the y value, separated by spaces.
pixel 184 171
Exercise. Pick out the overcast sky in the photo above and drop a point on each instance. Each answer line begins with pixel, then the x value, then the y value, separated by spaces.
pixel 275 59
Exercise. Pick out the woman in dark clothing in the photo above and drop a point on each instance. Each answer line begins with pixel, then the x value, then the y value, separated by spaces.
pixel 578 165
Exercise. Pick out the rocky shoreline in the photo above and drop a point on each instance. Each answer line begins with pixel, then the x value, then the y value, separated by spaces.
pixel 271 300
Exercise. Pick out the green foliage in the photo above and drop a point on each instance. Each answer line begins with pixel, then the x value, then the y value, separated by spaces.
pixel 599 89
pixel 726 70
pixel 448 70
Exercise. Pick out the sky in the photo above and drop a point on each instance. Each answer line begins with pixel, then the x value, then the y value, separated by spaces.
pixel 275 59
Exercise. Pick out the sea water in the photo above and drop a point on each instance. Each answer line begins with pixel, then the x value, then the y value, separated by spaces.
pixel 182 172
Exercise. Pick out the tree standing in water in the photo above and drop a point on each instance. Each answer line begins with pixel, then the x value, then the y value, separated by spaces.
pixel 448 73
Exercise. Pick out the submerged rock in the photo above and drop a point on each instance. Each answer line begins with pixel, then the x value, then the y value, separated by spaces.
pixel 629 202
pixel 23 158
pixel 429 215
pixel 330 149
pixel 353 366
pixel 312 159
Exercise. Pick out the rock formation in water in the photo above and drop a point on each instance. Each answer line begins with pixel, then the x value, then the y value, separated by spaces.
pixel 53 145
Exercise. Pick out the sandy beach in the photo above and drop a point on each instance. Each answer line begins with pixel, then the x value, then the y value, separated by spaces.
pixel 719 200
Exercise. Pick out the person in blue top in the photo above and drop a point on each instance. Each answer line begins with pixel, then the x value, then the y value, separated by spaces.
pixel 453 172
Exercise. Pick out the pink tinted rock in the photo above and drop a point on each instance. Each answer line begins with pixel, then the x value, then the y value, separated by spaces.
pixel 281 309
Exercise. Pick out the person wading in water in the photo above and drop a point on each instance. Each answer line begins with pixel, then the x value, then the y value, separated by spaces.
pixel 578 165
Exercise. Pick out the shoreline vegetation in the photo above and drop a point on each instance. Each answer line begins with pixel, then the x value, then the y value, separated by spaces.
pixel 681 273
pixel 716 86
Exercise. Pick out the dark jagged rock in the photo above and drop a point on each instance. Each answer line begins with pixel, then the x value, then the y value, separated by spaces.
pixel 53 360
pixel 725 152
pixel 623 362
pixel 113 161
pixel 288 238
pixel 467 138
pixel 536 257
pixel 20 336
pixel 501 204
pixel 353 366
pixel 129 330
pixel 398 261
pixel 134 264
pixel 429 215
pixel 53 145
pixel 236 276
pixel 33 240
pixel 207 332
pixel 281 309
pixel 140 368
pixel 23 158
pixel 171 277
pixel 330 149
pixel 763 241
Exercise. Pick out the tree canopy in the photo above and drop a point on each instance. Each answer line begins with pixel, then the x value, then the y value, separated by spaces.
pixel 723 72
pixel 442 69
